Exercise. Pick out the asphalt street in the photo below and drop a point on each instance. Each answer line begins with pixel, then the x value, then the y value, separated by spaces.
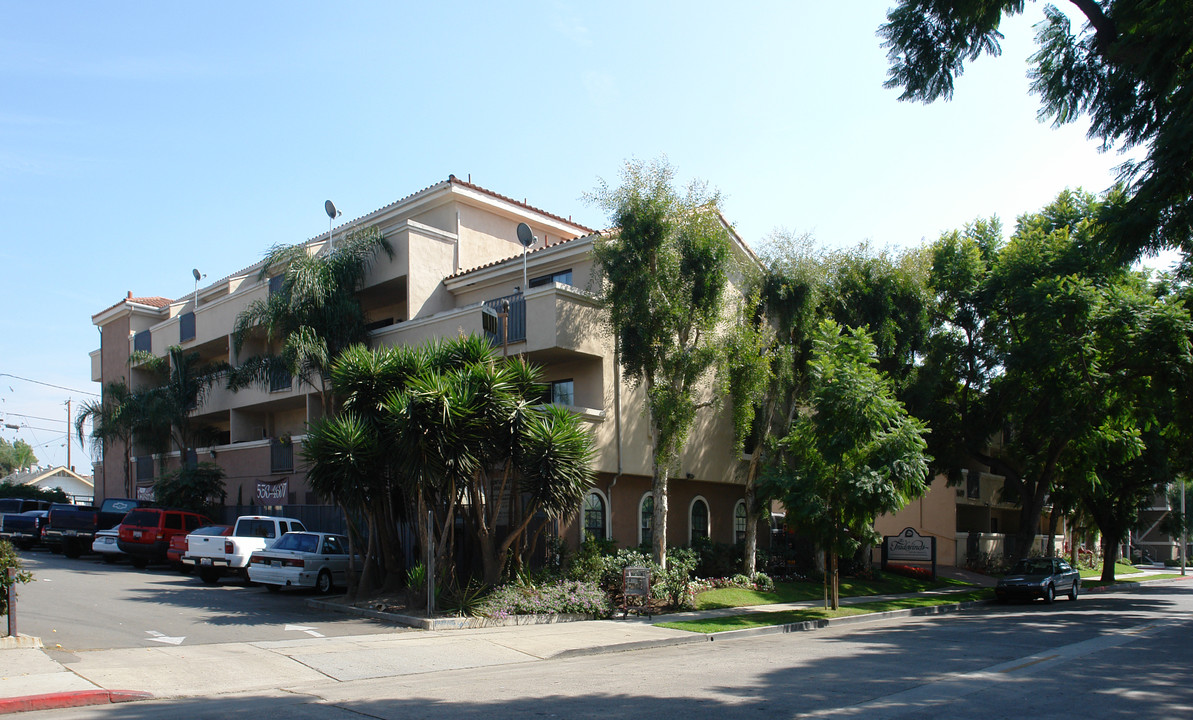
pixel 1121 654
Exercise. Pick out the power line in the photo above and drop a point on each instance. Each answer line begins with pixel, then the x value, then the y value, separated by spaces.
pixel 33 417
pixel 59 387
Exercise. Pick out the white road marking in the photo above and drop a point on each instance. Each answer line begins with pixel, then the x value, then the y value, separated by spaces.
pixel 303 628
pixel 155 636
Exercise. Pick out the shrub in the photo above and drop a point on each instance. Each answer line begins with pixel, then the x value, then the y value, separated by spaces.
pixel 10 559
pixel 717 559
pixel 567 596
pixel 919 572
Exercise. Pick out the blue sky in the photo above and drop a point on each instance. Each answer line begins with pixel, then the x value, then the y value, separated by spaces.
pixel 139 140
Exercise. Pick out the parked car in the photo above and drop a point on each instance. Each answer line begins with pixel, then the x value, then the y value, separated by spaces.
pixel 24 529
pixel 145 532
pixel 180 543
pixel 70 529
pixel 1033 578
pixel 215 557
pixel 105 543
pixel 302 559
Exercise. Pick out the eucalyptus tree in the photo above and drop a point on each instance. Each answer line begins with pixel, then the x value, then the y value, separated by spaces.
pixel 1126 70
pixel 852 453
pixel 665 270
pixel 312 315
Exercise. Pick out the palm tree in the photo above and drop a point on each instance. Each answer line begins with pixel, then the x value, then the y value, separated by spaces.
pixel 312 316
pixel 182 381
pixel 113 419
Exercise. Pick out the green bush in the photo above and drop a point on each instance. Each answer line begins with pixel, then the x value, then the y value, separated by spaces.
pixel 10 559
pixel 583 598
pixel 597 563
pixel 198 489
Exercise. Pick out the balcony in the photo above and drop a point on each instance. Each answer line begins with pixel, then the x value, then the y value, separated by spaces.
pixel 281 456
pixel 515 321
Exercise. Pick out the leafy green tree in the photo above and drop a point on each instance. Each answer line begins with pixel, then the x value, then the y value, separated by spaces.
pixel 32 492
pixel 665 271
pixel 1126 70
pixel 312 316
pixel 199 489
pixel 10 559
pixel 852 454
pixel 15 456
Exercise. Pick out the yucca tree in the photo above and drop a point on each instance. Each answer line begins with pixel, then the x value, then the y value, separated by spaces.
pixel 312 316
pixel 447 428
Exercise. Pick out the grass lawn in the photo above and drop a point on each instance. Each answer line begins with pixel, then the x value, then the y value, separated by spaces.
pixel 1120 568
pixel 785 617
pixel 1138 577
pixel 814 590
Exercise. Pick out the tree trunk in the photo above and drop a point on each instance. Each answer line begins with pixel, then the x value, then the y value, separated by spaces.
pixel 1110 553
pixel 836 586
pixel 750 551
pixel 1053 517
pixel 659 522
pixel 1031 505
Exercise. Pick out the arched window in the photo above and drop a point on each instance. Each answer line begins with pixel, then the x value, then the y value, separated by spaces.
pixel 698 520
pixel 646 520
pixel 596 524
pixel 739 521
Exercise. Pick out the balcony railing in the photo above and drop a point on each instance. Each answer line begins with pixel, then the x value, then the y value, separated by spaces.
pixel 281 456
pixel 280 380
pixel 516 322
pixel 144 468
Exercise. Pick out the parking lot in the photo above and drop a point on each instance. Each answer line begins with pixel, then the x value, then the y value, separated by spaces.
pixel 84 604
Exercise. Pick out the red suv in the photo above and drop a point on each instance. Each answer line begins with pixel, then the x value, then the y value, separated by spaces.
pixel 145 532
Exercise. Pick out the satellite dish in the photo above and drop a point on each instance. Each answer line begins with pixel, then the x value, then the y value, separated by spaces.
pixel 197 274
pixel 525 236
pixel 330 207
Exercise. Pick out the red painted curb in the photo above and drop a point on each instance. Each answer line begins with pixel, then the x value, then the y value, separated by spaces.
pixel 78 698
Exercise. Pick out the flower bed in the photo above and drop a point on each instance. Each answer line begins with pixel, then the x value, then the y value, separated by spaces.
pixel 919 572
pixel 565 597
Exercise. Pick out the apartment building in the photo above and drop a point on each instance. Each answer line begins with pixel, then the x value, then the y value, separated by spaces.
pixel 457 262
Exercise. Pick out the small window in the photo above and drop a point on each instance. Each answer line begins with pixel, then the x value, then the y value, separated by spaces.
pixel 698 517
pixel 646 521
pixel 331 546
pixel 173 521
pixel 563 276
pixel 739 521
pixel 594 517
pixel 561 392
pixel 192 522
pixel 275 283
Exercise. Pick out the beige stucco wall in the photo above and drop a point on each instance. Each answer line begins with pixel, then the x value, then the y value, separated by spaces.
pixel 934 515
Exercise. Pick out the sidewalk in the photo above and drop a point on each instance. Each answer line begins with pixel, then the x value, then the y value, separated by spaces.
pixel 33 678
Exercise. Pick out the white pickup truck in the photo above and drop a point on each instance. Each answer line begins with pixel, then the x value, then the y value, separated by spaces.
pixel 214 556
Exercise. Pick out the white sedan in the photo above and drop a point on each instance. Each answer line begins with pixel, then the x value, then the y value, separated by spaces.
pixel 105 544
pixel 302 559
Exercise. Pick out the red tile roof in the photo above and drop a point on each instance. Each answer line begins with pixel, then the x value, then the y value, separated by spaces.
pixel 495 263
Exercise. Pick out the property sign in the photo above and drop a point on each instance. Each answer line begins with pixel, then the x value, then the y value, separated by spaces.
pixel 145 492
pixel 910 545
pixel 273 492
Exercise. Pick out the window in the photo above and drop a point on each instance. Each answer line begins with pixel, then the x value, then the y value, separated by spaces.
pixel 560 392
pixel 646 520
pixel 173 521
pixel 331 546
pixel 595 525
pixel 698 520
pixel 739 521
pixel 281 456
pixel 275 283
pixel 563 276
pixel 186 326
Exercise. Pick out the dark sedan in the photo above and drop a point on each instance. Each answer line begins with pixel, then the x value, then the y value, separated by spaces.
pixel 1033 578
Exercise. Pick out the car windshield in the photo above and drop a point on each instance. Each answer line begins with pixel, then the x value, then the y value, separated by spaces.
pixel 1033 567
pixel 300 542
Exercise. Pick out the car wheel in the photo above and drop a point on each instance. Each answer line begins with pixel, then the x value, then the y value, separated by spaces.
pixel 272 588
pixel 26 546
pixel 111 558
pixel 56 549
pixel 1074 590
pixel 184 568
pixel 139 563
pixel 209 576
pixel 323 582
pixel 71 550
pixel 1049 595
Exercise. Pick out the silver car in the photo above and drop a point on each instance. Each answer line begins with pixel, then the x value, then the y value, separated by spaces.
pixel 302 559
pixel 1033 578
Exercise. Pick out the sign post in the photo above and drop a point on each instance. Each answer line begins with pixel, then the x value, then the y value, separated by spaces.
pixel 909 546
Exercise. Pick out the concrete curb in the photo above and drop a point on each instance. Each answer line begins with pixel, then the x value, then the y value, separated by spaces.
pixel 77 698
pixel 20 642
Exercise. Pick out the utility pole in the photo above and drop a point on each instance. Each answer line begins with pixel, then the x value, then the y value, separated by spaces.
pixel 68 465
